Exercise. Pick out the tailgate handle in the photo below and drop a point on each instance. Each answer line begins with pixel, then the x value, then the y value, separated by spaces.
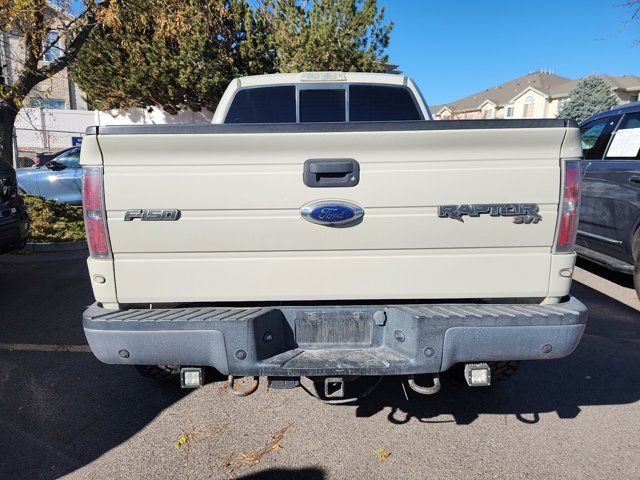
pixel 331 172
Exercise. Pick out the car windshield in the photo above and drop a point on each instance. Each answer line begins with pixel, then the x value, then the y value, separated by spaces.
pixel 70 159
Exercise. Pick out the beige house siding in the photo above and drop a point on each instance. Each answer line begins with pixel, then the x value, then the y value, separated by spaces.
pixel 536 102
pixel 547 91
pixel 627 97
pixel 58 87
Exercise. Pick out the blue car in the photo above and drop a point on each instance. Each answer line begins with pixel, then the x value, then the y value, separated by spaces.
pixel 59 179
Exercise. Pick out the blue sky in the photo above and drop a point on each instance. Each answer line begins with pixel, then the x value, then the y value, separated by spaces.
pixel 456 48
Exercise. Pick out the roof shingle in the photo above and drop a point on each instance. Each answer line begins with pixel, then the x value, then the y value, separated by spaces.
pixel 546 83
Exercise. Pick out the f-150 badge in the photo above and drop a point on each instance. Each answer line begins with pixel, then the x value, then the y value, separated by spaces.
pixel 522 213
pixel 332 213
pixel 152 215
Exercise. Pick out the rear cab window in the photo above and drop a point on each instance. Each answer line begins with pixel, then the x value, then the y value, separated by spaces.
pixel 373 103
pixel 323 103
pixel 263 105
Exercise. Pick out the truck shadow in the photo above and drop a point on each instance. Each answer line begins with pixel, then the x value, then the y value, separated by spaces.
pixel 286 474
pixel 61 410
pixel 622 279
pixel 602 371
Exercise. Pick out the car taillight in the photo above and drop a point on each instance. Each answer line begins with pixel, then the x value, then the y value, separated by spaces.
pixel 569 207
pixel 95 215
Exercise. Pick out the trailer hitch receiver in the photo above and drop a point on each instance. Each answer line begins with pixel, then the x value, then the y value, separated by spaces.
pixel 334 387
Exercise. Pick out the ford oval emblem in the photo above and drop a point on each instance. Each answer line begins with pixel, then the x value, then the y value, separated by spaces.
pixel 332 213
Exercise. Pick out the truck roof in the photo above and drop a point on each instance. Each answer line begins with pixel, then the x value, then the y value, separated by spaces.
pixel 321 77
pixel 275 79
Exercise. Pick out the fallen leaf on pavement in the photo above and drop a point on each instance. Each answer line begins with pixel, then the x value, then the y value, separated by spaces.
pixel 381 454
pixel 195 434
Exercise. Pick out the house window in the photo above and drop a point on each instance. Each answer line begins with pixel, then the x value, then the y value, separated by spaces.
pixel 52 50
pixel 633 97
pixel 509 112
pixel 529 103
pixel 56 103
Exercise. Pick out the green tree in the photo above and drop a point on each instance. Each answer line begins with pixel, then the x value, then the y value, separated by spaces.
pixel 172 53
pixel 591 95
pixel 178 54
pixel 28 23
pixel 347 35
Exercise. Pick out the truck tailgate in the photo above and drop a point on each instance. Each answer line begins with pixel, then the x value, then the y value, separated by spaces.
pixel 241 236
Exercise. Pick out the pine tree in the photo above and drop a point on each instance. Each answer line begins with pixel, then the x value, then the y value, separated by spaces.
pixel 173 54
pixel 339 35
pixel 591 95
pixel 178 54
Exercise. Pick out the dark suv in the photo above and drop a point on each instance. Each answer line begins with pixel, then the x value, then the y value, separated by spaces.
pixel 14 222
pixel 610 213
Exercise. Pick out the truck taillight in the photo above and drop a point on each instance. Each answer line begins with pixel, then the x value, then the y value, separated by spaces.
pixel 569 207
pixel 95 216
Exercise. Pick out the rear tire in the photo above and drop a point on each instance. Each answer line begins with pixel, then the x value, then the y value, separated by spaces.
pixel 503 370
pixel 159 372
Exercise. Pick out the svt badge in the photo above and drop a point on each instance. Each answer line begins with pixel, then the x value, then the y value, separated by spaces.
pixel 332 213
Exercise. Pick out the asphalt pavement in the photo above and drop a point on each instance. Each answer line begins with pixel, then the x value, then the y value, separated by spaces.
pixel 63 413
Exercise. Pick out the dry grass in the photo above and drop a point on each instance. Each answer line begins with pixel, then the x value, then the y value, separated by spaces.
pixel 254 457
pixel 195 435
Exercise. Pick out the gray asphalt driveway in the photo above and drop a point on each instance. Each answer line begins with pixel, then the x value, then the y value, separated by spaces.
pixel 64 413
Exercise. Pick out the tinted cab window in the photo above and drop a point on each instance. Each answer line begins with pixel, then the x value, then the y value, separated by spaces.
pixel 264 105
pixel 373 103
pixel 366 103
pixel 595 136
pixel 322 105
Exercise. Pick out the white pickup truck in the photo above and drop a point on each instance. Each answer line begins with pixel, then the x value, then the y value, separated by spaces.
pixel 325 227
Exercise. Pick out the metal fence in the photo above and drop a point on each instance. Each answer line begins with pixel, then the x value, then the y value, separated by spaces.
pixel 26 158
pixel 50 130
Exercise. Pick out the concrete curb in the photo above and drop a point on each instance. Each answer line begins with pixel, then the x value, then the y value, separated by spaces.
pixel 56 247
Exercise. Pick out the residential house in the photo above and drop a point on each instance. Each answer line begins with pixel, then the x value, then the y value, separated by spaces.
pixel 535 95
pixel 58 92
